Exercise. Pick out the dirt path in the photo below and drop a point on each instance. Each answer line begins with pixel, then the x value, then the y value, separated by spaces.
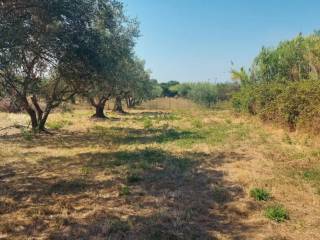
pixel 157 175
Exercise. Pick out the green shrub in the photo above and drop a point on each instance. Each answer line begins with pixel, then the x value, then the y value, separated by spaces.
pixel 277 213
pixel 244 100
pixel 283 84
pixel 260 194
pixel 292 104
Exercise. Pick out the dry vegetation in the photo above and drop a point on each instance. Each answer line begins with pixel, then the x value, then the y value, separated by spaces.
pixel 156 173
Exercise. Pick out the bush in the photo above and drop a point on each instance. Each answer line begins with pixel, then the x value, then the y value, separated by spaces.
pixel 260 194
pixel 244 100
pixel 300 104
pixel 293 104
pixel 277 213
pixel 283 84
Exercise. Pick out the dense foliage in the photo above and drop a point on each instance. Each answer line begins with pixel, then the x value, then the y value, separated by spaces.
pixel 167 90
pixel 51 51
pixel 283 84
pixel 206 93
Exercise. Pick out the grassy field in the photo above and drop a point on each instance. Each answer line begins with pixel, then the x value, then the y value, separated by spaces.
pixel 158 173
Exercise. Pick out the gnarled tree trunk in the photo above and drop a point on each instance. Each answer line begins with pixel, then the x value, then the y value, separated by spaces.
pixel 130 102
pixel 38 117
pixel 118 105
pixel 99 106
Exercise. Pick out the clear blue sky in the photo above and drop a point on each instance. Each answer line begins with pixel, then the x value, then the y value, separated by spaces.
pixel 196 40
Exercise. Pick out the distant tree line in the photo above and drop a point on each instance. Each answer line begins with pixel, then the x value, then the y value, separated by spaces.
pixel 283 84
pixel 205 93
pixel 54 50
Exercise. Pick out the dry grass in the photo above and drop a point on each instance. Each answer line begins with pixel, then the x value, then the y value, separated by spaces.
pixel 156 174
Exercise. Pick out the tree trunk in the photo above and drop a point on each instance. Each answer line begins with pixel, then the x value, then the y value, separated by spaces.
pixel 37 107
pixel 31 113
pixel 99 108
pixel 118 105
pixel 37 116
pixel 130 102
pixel 43 120
pixel 33 118
pixel 99 112
pixel 73 100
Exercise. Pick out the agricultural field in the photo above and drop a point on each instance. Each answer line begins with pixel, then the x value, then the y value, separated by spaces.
pixel 169 169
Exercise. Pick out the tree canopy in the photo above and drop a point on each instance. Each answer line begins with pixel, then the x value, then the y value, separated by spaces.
pixel 52 50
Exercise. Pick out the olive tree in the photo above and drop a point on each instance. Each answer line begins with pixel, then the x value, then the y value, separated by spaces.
pixel 138 83
pixel 48 52
pixel 120 34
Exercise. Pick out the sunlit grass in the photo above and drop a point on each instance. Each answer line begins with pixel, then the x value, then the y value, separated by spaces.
pixel 158 172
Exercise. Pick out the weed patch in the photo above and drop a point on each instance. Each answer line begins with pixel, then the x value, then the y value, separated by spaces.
pixel 277 212
pixel 260 194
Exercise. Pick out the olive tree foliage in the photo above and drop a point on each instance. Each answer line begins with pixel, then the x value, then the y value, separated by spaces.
pixel 135 85
pixel 49 51
pixel 120 34
pixel 140 85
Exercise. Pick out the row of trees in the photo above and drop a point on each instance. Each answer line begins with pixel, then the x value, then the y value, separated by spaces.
pixel 283 83
pixel 205 93
pixel 53 50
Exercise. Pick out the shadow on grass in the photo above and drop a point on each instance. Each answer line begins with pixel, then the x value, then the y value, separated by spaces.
pixel 103 136
pixel 172 197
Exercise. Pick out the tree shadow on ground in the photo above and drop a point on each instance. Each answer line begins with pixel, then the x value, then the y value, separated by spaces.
pixel 103 136
pixel 167 196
